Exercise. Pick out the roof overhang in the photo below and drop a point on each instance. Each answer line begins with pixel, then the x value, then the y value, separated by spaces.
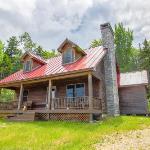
pixel 52 77
pixel 38 58
pixel 79 49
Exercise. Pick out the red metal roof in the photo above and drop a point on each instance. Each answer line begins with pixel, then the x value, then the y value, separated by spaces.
pixel 36 57
pixel 54 66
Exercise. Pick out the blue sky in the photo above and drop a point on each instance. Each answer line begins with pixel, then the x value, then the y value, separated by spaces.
pixel 49 22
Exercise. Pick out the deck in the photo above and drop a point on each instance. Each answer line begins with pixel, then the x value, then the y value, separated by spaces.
pixel 60 109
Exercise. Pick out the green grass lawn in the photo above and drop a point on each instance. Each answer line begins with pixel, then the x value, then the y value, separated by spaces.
pixel 53 135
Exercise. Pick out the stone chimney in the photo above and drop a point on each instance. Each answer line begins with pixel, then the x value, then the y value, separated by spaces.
pixel 112 98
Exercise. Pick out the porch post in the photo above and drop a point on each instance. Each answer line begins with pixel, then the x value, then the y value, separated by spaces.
pixel 90 90
pixel 49 93
pixel 20 96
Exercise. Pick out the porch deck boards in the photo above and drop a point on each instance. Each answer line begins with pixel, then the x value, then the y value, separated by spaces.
pixel 50 111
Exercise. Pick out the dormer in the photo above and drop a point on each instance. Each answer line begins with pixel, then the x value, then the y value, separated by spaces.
pixel 70 51
pixel 31 61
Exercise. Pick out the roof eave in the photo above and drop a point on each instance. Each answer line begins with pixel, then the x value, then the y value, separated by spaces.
pixel 48 76
pixel 144 84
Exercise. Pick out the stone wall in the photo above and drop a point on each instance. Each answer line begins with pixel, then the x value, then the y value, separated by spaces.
pixel 110 70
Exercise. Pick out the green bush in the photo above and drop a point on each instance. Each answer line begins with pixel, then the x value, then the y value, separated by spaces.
pixel 7 95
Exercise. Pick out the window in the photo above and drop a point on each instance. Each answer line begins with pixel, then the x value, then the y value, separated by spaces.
pixel 75 90
pixel 70 91
pixel 68 56
pixel 80 90
pixel 27 66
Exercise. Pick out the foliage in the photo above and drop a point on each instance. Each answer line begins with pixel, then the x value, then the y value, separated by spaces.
pixel 6 95
pixel 145 55
pixel 6 66
pixel 27 43
pixel 133 64
pixel 64 135
pixel 96 43
pixel 10 55
pixel 13 54
pixel 1 58
pixel 123 46
pixel 1 51
pixel 49 54
pixel 127 55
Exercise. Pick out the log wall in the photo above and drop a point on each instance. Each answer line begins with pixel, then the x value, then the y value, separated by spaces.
pixel 133 100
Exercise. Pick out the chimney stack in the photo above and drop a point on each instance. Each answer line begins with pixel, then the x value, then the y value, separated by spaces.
pixel 112 98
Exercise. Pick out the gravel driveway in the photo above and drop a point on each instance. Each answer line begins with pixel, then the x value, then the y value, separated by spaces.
pixel 133 140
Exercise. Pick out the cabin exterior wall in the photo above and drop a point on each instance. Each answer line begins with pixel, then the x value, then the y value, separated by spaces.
pixel 133 100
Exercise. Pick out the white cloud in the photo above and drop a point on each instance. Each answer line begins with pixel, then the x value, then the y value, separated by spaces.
pixel 51 21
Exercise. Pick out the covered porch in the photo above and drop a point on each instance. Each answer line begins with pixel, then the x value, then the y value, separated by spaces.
pixel 80 94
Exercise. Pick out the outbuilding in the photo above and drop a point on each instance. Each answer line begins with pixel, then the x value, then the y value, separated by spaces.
pixel 133 93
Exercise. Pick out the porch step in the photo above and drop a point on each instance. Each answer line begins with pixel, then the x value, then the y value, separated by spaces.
pixel 25 116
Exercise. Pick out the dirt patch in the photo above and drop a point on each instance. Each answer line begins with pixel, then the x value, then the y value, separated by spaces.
pixel 133 140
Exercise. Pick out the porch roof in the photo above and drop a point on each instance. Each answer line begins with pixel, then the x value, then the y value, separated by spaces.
pixel 54 66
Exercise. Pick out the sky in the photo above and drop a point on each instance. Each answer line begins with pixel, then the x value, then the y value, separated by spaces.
pixel 50 22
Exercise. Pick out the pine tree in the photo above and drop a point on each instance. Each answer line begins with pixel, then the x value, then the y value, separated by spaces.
pixel 13 52
pixel 27 43
pixel 96 43
pixel 145 55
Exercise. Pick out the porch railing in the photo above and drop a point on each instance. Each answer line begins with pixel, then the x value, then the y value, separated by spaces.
pixel 61 103
pixel 12 105
pixel 75 103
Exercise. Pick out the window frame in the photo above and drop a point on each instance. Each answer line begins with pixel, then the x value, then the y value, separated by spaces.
pixel 73 56
pixel 76 90
pixel 25 64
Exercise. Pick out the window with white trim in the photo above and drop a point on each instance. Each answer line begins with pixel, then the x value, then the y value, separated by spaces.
pixel 68 56
pixel 75 90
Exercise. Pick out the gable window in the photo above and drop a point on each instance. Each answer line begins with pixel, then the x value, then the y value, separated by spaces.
pixel 75 90
pixel 27 66
pixel 68 56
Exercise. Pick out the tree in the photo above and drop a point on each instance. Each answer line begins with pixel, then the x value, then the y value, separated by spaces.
pixel 134 63
pixel 12 47
pixel 96 43
pixel 49 54
pixel 6 66
pixel 13 54
pixel 123 46
pixel 39 51
pixel 144 58
pixel 1 51
pixel 1 59
pixel 27 43
pixel 145 55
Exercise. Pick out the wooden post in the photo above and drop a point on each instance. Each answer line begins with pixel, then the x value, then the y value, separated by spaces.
pixel 49 93
pixel 90 90
pixel 20 96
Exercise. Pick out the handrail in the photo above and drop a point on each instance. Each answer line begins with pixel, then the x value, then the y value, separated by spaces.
pixel 8 105
pixel 75 103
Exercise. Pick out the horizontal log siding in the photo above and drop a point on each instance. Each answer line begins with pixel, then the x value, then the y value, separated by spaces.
pixel 37 94
pixel 102 91
pixel 133 100
pixel 61 86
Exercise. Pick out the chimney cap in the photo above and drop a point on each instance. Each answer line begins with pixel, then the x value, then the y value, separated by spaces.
pixel 106 25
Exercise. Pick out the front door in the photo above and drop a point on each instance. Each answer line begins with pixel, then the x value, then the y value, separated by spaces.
pixel 25 95
pixel 53 92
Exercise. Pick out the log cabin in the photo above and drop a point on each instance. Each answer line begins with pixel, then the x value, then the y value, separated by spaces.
pixel 77 85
